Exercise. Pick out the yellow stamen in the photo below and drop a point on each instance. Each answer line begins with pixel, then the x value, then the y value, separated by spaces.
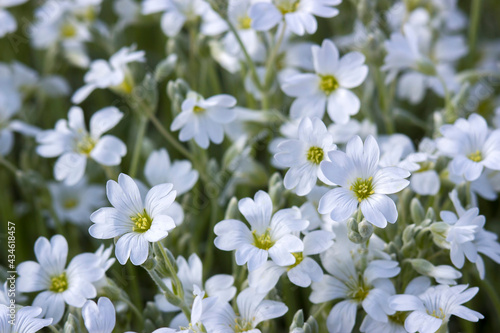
pixel 263 241
pixel 328 84
pixel 315 155
pixel 142 222
pixel 58 283
pixel 475 156
pixel 362 188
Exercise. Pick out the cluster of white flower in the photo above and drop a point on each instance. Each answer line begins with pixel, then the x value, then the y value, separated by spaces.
pixel 372 217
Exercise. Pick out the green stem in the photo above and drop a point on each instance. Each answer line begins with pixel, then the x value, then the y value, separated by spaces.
pixel 134 309
pixel 180 148
pixel 141 131
pixel 9 166
pixel 173 273
pixel 269 68
pixel 474 25
pixel 135 294
pixel 169 295
pixel 211 235
pixel 53 329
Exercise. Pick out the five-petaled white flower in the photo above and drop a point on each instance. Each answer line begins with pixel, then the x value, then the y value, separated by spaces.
pixel 71 285
pixel 74 144
pixel 253 309
pixel 432 309
pixel 270 236
pixel 471 146
pixel 203 119
pixel 362 183
pixel 304 155
pixel 298 14
pixel 329 86
pixel 136 221
pixel 113 74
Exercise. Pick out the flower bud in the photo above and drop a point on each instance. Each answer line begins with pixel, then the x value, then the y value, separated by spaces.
pixel 417 211
pixel 365 229
pixel 165 67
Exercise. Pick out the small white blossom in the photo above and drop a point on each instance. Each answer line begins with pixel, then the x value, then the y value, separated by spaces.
pixel 203 119
pixel 327 88
pixel 432 309
pixel 113 74
pixel 136 221
pixel 362 183
pixel 471 146
pixel 270 235
pixel 60 284
pixel 298 14
pixel 304 155
pixel 71 141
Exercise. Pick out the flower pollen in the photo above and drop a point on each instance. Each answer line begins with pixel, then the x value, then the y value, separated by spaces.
pixel 198 109
pixel 142 222
pixel 315 154
pixel 263 241
pixel 362 188
pixel 59 283
pixel 328 84
pixel 85 145
pixel 245 22
pixel 287 6
pixel 241 325
pixel 299 256
pixel 475 156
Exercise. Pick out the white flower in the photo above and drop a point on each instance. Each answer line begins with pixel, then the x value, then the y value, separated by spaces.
pixel 305 269
pixel 329 86
pixel 433 308
pixel 26 320
pixel 298 14
pixel 159 170
pixel 135 220
pixel 362 182
pixel 465 236
pixel 424 61
pixel 177 13
pixel 76 203
pixel 7 21
pixel 369 288
pixel 73 144
pixel 424 178
pixel 113 74
pixel 395 324
pixel 71 285
pixel 252 310
pixel 203 119
pixel 471 146
pixel 270 236
pixel 304 155
pixel 190 274
pixel 100 317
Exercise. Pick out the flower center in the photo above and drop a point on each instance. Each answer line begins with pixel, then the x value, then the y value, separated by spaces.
pixel 264 241
pixel 70 203
pixel 59 283
pixel 241 325
pixel 362 188
pixel 398 318
pixel 425 166
pixel 68 30
pixel 299 256
pixel 434 313
pixel 245 22
pixel 328 84
pixel 315 155
pixel 475 156
pixel 287 6
pixel 142 222
pixel 126 86
pixel 85 145
pixel 198 109
pixel 360 292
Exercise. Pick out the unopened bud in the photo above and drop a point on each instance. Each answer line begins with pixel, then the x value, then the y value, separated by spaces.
pixel 417 211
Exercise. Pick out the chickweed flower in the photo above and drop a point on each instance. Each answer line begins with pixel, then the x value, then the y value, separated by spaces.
pixel 270 235
pixel 136 221
pixel 61 285
pixel 71 141
pixel 362 183
pixel 329 86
